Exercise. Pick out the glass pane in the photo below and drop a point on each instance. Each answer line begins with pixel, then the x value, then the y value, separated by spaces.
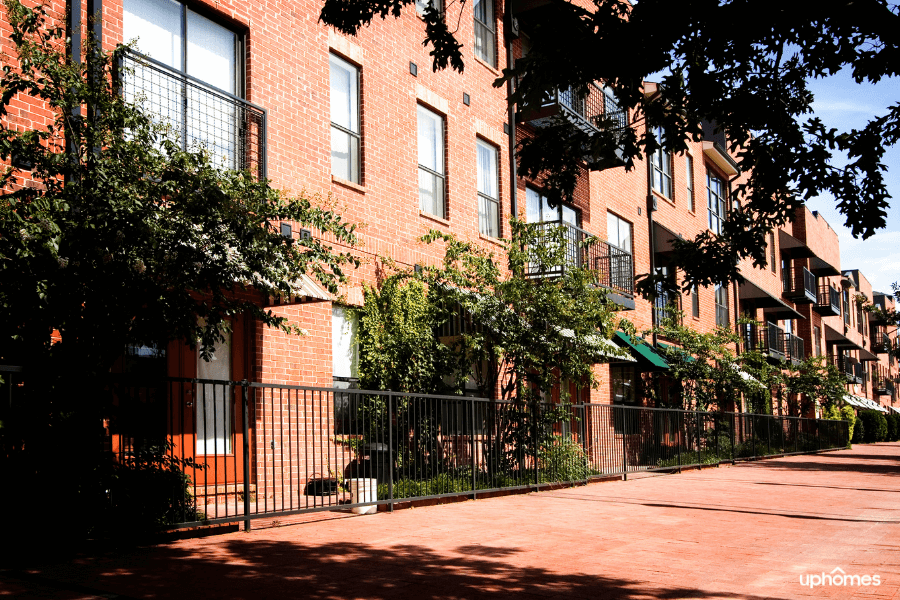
pixel 488 218
pixel 214 402
pixel 625 235
pixel 345 356
pixel 487 169
pixel 569 215
pixel 212 125
pixel 157 26
pixel 431 193
pixel 344 94
pixel 431 140
pixel 211 52
pixel 532 206
pixel 340 153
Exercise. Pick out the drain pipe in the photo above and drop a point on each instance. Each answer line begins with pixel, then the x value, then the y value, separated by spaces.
pixel 649 208
pixel 512 32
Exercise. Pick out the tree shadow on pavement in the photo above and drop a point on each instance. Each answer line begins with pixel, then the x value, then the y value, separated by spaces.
pixel 246 568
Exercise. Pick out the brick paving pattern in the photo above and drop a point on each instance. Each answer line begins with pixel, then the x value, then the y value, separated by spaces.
pixel 748 531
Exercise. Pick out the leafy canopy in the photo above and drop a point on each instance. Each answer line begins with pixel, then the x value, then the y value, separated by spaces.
pixel 124 237
pixel 738 64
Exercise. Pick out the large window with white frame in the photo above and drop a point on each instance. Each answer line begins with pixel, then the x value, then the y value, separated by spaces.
pixel 431 162
pixel 345 126
pixel 488 181
pixel 717 196
pixel 538 210
pixel 722 312
pixel 661 167
pixel 485 34
pixel 618 232
pixel 190 43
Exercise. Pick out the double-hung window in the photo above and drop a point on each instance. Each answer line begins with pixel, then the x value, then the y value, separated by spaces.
pixel 716 195
pixel 488 190
pixel 485 36
pixel 618 231
pixel 538 210
pixel 187 43
pixel 689 166
pixel 345 130
pixel 661 164
pixel 431 162
pixel 695 302
pixel 722 312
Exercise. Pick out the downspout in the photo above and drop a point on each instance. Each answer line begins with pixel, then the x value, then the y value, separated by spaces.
pixel 511 33
pixel 652 242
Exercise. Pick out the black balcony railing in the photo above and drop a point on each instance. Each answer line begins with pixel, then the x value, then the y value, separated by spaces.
pixel 595 111
pixel 829 301
pixel 231 129
pixel 799 285
pixel 859 373
pixel 611 265
pixel 767 338
pixel 881 342
pixel 793 348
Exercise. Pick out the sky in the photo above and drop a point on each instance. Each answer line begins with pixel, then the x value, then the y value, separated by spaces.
pixel 843 104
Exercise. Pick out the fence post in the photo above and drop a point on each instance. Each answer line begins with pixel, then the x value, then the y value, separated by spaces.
pixel 245 392
pixel 390 418
pixel 624 444
pixel 679 416
pixel 699 457
pixel 534 427
pixel 733 427
pixel 818 441
pixel 716 432
pixel 472 442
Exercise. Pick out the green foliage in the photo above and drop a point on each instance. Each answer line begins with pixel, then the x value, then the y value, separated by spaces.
pixel 715 72
pixel 128 238
pixel 859 430
pixel 563 459
pixel 845 413
pixel 813 380
pixel 893 422
pixel 874 426
pixel 708 372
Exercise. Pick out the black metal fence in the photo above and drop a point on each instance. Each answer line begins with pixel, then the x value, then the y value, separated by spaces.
pixel 199 116
pixel 235 451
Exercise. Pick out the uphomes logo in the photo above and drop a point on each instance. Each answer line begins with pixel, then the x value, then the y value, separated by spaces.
pixel 839 578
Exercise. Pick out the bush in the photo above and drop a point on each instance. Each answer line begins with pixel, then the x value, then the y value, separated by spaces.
pixel 859 431
pixel 844 413
pixel 563 460
pixel 893 421
pixel 876 427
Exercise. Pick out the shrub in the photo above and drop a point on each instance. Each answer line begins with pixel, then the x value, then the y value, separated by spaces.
pixel 563 460
pixel 893 422
pixel 859 431
pixel 876 427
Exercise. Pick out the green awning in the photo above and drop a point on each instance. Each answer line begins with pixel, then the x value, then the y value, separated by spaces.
pixel 688 358
pixel 646 354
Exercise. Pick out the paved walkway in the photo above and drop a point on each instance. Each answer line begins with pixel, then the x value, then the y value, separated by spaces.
pixel 748 531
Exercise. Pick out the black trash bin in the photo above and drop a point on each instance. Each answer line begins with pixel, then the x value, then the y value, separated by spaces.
pixel 377 464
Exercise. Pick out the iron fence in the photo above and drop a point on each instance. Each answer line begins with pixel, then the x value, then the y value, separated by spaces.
pixel 235 451
pixel 198 115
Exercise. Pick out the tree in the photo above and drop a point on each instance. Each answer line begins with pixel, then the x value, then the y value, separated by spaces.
pixel 740 66
pixel 113 234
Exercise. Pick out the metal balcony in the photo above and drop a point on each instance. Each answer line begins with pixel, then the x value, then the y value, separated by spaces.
pixel 766 338
pixel 591 113
pixel 881 343
pixel 611 265
pixel 231 129
pixel 849 367
pixel 793 348
pixel 667 306
pixel 799 285
pixel 828 303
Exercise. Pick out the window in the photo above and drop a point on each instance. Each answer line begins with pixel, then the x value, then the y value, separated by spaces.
pixel 488 190
pixel 214 401
pixel 661 163
pixel 345 130
pixel 422 4
pixel 716 193
pixel 817 340
pixel 619 232
pixel 344 350
pixel 188 43
pixel 859 318
pixel 846 307
pixel 623 381
pixel 431 162
pixel 722 316
pixel 538 210
pixel 485 43
pixel 690 182
pixel 772 259
pixel 695 302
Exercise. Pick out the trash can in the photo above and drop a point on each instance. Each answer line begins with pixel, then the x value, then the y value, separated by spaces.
pixel 364 490
pixel 378 465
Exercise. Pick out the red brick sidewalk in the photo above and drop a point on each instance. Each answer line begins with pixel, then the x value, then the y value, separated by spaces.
pixel 750 531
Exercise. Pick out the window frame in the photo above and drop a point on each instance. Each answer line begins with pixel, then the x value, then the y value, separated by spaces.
pixel 619 221
pixel 559 209
pixel 689 168
pixel 483 197
pixel 490 27
pixel 719 199
pixel 441 144
pixel 695 302
pixel 661 168
pixel 355 173
pixel 722 306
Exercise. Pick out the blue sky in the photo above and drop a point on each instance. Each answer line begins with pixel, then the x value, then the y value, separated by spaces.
pixel 843 104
